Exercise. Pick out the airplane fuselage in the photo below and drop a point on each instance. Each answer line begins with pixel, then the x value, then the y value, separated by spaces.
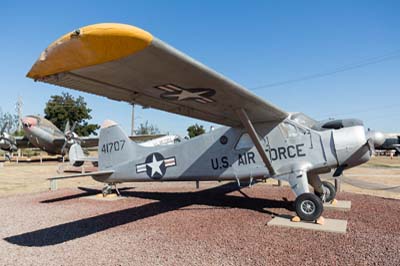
pixel 228 153
pixel 42 134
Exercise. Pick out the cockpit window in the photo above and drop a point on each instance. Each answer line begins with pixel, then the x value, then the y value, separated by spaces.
pixel 303 119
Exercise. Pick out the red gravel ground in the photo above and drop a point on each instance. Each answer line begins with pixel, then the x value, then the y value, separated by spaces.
pixel 174 224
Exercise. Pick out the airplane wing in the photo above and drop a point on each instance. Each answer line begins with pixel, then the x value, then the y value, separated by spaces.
pixel 145 137
pixel 23 142
pixel 128 64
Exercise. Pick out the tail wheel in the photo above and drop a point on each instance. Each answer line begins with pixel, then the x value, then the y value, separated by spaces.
pixel 309 207
pixel 329 192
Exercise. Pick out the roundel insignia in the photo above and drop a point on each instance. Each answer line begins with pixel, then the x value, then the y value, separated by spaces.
pixel 155 165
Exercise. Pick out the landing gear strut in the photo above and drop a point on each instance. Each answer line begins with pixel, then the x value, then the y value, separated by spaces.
pixel 107 189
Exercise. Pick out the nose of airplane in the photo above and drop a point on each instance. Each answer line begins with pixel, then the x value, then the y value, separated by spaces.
pixel 377 137
pixel 28 122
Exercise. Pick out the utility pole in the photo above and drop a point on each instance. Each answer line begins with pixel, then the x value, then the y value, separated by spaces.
pixel 133 120
pixel 18 109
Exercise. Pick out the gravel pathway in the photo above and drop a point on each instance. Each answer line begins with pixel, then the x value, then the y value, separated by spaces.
pixel 174 224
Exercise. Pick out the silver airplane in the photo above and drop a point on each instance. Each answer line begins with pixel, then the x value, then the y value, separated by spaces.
pixel 7 141
pixel 258 140
pixel 41 133
pixel 391 142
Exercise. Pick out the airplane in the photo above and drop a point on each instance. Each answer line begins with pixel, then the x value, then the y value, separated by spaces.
pixel 7 141
pixel 257 140
pixel 391 142
pixel 165 140
pixel 39 132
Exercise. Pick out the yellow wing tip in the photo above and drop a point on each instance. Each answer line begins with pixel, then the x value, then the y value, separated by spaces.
pixel 90 45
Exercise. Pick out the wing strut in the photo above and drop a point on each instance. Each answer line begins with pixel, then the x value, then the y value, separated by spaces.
pixel 254 137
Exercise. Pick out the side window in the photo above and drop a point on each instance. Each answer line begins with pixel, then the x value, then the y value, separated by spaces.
pixel 290 130
pixel 244 142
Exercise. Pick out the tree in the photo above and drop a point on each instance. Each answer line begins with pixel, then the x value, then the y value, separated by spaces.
pixel 11 120
pixel 195 130
pixel 62 108
pixel 147 129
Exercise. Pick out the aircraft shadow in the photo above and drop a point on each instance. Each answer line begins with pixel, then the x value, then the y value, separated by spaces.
pixel 215 197
pixel 87 192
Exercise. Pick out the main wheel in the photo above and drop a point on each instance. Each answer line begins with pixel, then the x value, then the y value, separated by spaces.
pixel 309 207
pixel 329 192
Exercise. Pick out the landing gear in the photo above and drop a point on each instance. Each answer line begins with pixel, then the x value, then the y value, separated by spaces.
pixel 329 192
pixel 78 163
pixel 309 207
pixel 107 189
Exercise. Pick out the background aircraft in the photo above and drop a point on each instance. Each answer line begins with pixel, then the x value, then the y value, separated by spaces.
pixel 42 134
pixel 392 142
pixel 7 141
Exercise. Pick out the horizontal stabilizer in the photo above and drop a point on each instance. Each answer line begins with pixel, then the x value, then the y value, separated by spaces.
pixel 77 157
pixel 97 173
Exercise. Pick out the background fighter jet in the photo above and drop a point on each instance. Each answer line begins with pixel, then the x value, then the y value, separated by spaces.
pixel 42 134
pixel 258 140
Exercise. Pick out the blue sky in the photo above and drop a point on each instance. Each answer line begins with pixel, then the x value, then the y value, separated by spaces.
pixel 251 42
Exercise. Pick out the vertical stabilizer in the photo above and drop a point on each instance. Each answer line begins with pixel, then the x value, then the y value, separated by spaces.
pixel 115 147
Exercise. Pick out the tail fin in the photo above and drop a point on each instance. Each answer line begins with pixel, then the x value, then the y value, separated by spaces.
pixel 76 155
pixel 115 147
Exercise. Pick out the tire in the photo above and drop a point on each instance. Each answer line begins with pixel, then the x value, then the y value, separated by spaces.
pixel 332 191
pixel 309 207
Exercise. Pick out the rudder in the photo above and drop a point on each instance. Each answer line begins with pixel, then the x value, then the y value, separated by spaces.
pixel 115 147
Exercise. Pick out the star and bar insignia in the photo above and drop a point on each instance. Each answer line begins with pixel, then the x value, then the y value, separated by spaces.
pixel 156 165
pixel 173 92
